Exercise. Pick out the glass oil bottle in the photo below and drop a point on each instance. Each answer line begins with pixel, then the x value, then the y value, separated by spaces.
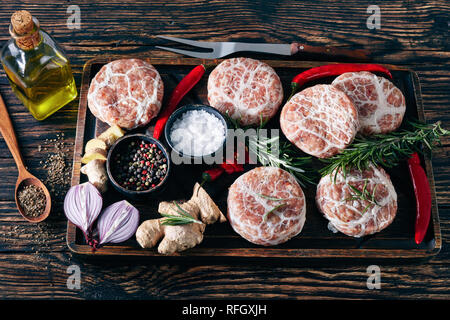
pixel 36 67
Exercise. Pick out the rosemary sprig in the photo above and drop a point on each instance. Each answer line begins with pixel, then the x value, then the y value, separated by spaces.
pixel 262 122
pixel 270 197
pixel 386 149
pixel 183 218
pixel 284 157
pixel 272 210
pixel 234 122
pixel 363 194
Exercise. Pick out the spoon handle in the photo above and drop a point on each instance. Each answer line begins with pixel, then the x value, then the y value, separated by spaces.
pixel 7 130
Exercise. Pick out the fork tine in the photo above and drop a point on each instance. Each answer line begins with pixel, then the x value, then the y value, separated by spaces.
pixel 193 43
pixel 201 55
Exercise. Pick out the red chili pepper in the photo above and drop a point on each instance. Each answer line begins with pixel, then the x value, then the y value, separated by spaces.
pixel 330 70
pixel 212 174
pixel 185 85
pixel 423 197
pixel 232 167
pixel 229 166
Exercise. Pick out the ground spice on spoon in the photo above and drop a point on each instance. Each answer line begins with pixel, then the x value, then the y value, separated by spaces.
pixel 32 200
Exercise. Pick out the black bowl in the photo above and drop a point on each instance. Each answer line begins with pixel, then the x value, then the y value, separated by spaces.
pixel 119 145
pixel 178 113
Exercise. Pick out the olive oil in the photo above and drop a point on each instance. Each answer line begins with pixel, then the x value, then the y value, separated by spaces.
pixel 36 67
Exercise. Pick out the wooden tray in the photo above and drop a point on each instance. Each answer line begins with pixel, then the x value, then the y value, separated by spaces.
pixel 220 241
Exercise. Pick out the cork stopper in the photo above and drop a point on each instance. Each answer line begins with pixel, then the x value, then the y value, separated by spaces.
pixel 22 22
pixel 25 30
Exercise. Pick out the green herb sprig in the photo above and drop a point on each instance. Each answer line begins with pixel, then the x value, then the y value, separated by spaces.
pixel 363 194
pixel 386 149
pixel 285 157
pixel 183 218
pixel 274 208
pixel 270 197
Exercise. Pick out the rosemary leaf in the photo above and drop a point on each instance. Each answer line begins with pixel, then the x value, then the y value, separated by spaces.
pixel 386 149
pixel 284 157
pixel 271 198
pixel 183 218
pixel 272 210
pixel 365 209
pixel 363 194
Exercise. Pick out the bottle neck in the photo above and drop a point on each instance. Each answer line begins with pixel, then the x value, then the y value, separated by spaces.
pixel 29 40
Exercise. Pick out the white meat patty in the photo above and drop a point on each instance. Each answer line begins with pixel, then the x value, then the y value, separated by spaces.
pixel 320 120
pixel 381 105
pixel 352 214
pixel 266 206
pixel 126 92
pixel 246 89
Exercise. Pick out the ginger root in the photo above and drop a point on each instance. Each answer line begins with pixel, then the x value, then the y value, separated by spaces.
pixel 95 157
pixel 111 135
pixel 177 238
pixel 95 144
pixel 96 172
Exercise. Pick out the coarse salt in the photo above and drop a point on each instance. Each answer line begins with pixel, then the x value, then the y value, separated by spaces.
pixel 197 133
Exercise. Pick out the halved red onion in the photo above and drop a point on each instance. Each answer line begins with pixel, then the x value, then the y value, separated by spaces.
pixel 117 223
pixel 82 205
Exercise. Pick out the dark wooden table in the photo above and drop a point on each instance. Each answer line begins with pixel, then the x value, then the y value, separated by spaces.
pixel 34 258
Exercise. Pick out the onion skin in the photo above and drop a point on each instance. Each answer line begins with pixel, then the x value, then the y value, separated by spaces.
pixel 117 223
pixel 82 205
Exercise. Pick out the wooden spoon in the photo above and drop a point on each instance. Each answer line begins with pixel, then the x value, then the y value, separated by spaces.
pixel 25 178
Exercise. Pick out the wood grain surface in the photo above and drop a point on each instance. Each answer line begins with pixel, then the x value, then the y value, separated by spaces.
pixel 34 258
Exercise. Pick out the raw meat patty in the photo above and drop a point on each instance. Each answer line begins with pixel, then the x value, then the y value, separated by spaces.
pixel 350 214
pixel 245 88
pixel 381 105
pixel 126 92
pixel 320 120
pixel 253 195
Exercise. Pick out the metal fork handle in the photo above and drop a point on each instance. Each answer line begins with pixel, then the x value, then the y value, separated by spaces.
pixel 273 48
pixel 357 54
